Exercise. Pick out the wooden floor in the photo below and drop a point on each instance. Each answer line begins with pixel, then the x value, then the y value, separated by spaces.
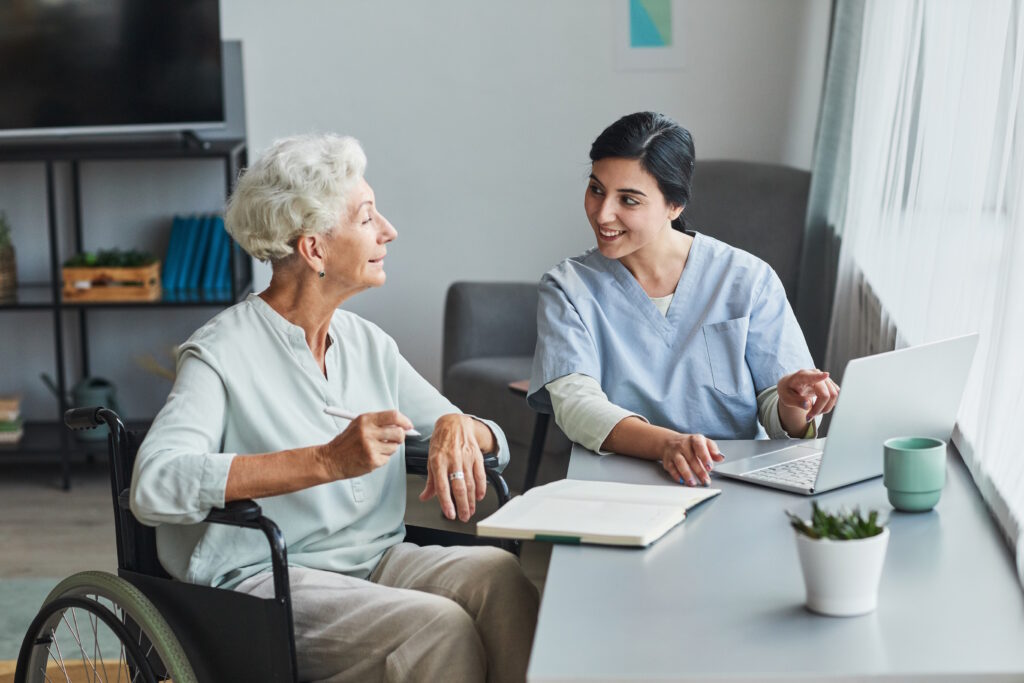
pixel 71 672
pixel 46 532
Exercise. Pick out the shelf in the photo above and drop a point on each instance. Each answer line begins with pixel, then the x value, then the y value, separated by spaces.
pixel 44 439
pixel 114 147
pixel 170 300
pixel 47 441
pixel 31 297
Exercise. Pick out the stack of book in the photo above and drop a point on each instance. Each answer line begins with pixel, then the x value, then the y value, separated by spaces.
pixel 10 419
pixel 198 260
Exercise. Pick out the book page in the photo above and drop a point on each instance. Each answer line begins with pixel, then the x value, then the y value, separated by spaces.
pixel 632 522
pixel 579 489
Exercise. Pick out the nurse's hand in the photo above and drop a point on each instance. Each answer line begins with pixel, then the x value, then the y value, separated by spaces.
pixel 803 396
pixel 688 458
pixel 455 466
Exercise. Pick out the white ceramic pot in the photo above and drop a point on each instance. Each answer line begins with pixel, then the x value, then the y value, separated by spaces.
pixel 842 577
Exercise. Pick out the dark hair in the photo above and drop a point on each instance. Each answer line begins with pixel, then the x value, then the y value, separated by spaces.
pixel 663 148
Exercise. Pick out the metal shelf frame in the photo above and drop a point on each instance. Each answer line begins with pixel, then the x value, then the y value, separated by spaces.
pixel 39 437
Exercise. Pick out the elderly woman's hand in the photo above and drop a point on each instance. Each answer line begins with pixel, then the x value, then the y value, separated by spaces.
pixel 455 466
pixel 366 444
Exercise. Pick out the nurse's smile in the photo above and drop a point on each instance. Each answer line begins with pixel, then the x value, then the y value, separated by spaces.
pixel 626 208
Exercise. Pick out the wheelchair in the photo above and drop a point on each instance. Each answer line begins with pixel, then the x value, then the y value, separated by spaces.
pixel 143 625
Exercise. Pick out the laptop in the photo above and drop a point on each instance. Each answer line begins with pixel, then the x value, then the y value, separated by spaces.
pixel 910 392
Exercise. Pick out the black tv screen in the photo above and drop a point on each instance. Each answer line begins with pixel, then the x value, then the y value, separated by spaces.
pixel 98 66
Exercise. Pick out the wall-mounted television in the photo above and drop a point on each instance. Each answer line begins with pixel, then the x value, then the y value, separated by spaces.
pixel 70 67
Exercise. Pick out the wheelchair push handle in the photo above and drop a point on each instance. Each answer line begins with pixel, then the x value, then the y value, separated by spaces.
pixel 83 418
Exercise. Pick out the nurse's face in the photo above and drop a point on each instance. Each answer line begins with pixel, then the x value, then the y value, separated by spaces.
pixel 626 209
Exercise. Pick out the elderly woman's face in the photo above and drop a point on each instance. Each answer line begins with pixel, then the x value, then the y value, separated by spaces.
pixel 357 243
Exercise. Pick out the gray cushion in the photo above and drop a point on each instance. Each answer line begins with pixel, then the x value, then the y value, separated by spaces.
pixel 489 319
pixel 760 208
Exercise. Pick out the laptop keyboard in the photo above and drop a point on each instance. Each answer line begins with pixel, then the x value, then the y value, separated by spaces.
pixel 801 473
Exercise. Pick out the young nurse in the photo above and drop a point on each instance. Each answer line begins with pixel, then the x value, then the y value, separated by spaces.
pixel 661 339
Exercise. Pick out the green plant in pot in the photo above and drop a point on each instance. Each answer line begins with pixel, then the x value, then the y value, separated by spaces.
pixel 8 266
pixel 841 556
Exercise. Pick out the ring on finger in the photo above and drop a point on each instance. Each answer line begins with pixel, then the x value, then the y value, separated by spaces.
pixel 456 475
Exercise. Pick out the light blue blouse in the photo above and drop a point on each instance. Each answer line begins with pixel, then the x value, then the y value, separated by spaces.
pixel 248 383
pixel 728 335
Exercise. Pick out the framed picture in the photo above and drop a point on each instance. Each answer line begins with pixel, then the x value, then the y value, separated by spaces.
pixel 649 34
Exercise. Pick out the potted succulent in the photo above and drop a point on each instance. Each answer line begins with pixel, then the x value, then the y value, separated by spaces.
pixel 841 556
pixel 8 266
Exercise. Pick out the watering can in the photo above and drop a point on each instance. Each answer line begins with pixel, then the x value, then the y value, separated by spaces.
pixel 88 392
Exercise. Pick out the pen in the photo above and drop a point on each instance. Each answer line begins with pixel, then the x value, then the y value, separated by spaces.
pixel 338 412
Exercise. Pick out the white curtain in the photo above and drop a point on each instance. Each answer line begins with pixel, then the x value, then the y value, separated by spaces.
pixel 931 214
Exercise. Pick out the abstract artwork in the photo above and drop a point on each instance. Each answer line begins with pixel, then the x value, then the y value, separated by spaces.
pixel 648 34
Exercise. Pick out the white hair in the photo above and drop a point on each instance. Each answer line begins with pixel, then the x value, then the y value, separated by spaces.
pixel 298 187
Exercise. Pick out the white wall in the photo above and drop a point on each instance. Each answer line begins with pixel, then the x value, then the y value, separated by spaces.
pixel 477 118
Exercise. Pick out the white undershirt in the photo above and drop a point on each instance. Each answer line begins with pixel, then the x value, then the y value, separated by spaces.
pixel 584 413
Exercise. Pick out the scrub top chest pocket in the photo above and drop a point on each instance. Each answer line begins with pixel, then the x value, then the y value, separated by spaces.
pixel 727 343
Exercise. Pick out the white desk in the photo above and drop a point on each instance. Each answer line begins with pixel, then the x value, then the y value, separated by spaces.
pixel 720 597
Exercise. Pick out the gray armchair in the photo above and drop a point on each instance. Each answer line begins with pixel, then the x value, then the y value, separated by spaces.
pixel 490 328
pixel 490 331
pixel 759 208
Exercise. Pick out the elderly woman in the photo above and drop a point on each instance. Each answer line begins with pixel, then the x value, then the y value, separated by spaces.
pixel 246 419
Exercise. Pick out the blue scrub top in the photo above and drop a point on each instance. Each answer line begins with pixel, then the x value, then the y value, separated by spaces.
pixel 729 334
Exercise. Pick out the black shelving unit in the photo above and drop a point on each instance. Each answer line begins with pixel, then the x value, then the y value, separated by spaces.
pixel 46 438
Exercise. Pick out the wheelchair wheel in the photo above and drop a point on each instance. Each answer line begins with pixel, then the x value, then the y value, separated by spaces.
pixel 95 626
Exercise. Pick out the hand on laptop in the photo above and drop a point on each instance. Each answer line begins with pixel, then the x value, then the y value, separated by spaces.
pixel 803 396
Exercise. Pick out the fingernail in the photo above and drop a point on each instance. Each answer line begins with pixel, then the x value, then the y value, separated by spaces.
pixel 681 480
pixel 693 482
pixel 450 514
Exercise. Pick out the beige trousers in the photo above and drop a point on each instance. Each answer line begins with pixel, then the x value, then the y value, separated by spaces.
pixel 425 614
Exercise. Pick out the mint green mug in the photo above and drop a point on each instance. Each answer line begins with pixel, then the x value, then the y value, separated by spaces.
pixel 914 472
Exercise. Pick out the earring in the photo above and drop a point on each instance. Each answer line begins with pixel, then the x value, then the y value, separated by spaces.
pixel 321 274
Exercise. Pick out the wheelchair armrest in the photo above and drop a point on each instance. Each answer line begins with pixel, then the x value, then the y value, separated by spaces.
pixel 416 463
pixel 237 512
pixel 248 514
pixel 416 458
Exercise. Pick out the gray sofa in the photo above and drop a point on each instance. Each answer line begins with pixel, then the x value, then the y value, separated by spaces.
pixel 490 328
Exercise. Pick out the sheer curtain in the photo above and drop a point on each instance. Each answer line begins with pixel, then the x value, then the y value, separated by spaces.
pixel 933 244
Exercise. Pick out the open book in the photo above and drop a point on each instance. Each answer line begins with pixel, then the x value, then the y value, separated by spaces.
pixel 610 513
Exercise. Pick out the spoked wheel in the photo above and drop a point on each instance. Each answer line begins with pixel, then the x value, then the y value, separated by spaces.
pixel 95 626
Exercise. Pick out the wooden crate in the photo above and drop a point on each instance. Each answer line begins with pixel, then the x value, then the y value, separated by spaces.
pixel 112 284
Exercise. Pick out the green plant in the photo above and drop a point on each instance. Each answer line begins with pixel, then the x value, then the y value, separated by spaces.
pixel 108 258
pixel 5 231
pixel 843 526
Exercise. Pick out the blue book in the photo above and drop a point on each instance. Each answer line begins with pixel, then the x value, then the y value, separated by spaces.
pixel 172 259
pixel 219 249
pixel 223 281
pixel 201 255
pixel 191 237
